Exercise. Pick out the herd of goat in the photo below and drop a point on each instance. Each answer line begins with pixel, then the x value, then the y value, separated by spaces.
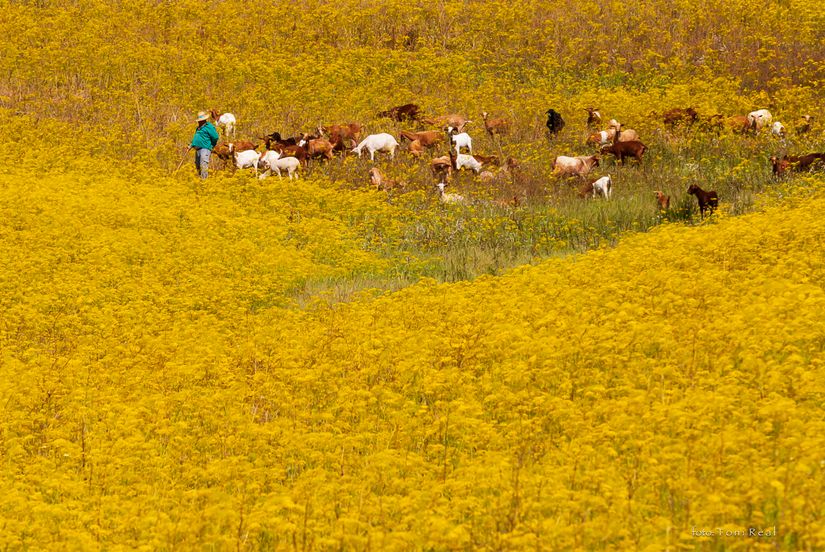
pixel 290 154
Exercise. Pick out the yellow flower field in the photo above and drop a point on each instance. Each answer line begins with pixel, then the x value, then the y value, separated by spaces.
pixel 160 392
pixel 310 365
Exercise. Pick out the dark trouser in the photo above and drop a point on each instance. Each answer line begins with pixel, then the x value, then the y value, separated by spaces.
pixel 202 161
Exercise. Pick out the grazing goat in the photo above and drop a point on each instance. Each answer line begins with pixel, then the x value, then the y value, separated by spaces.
pixel 608 136
pixel 317 147
pixel 275 139
pixel 486 159
pixel 620 150
pixel 574 166
pixel 759 119
pixel 225 151
pixel 662 200
pixel 442 166
pixel 797 163
pixel 225 120
pixel 555 122
pixel 380 182
pixel 427 138
pixel 292 151
pixel 406 112
pixel 680 116
pixel 495 126
pixel 377 142
pixel 338 134
pixel 737 123
pixel 603 186
pixel 416 149
pixel 246 159
pixel 708 201
pixel 594 118
pixel 272 160
pixel 463 161
pixel 452 120
pixel 461 140
pixel 779 165
pixel 778 129
pixel 448 198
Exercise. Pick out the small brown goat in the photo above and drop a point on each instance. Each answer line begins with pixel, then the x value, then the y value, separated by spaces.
pixel 400 113
pixel 292 151
pixel 453 120
pixel 317 147
pixel 495 126
pixel 621 150
pixel 487 159
pixel 586 190
pixel 708 201
pixel 662 200
pixel 416 149
pixel 594 118
pixel 442 165
pixel 680 116
pixel 381 182
pixel 225 151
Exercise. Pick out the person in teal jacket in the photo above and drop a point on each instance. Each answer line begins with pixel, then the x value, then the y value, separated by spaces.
pixel 203 142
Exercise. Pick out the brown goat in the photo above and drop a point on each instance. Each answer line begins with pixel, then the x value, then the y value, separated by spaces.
pixel 487 159
pixel 400 113
pixel 318 147
pixel 427 138
pixel 663 200
pixel 708 201
pixel 416 149
pixel 453 120
pixel 226 151
pixel 797 163
pixel 680 116
pixel 586 190
pixel 442 165
pixel 594 118
pixel 339 134
pixel 292 151
pixel 495 126
pixel 620 150
pixel 381 182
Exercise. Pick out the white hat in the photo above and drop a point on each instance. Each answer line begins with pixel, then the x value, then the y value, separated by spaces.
pixel 202 116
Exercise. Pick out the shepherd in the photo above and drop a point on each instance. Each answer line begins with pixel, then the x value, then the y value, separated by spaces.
pixel 203 142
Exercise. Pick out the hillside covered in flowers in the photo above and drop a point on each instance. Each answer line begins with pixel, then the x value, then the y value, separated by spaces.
pixel 315 364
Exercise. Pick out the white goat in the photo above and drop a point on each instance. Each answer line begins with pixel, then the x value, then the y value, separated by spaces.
pixel 759 119
pixel 448 198
pixel 578 166
pixel 464 161
pixel 603 186
pixel 225 120
pixel 778 129
pixel 246 159
pixel 272 160
pixel 461 140
pixel 377 142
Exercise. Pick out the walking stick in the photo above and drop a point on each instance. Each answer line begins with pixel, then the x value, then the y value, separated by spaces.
pixel 182 160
